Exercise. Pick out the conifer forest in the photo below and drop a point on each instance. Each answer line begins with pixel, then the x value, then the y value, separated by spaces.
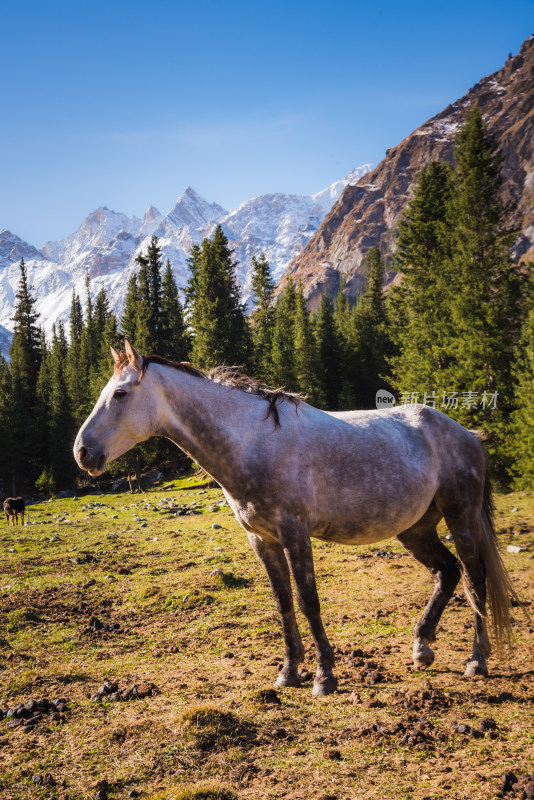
pixel 453 329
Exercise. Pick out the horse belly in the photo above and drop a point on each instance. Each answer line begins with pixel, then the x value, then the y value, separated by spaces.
pixel 383 514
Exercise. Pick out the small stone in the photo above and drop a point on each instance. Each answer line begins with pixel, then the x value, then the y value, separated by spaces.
pixel 110 578
pixel 507 781
pixel 134 793
pixel 462 728
pixel 110 686
pixel 87 584
pixel 143 689
pixel 334 755
pixel 37 779
pixel 217 573
pixel 215 526
pixel 488 724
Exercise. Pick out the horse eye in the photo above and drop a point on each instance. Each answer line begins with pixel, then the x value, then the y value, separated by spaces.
pixel 119 393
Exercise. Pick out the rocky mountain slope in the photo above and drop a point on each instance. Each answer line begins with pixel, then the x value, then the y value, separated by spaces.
pixel 107 242
pixel 366 213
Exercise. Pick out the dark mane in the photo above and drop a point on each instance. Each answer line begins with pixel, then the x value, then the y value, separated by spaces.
pixel 227 376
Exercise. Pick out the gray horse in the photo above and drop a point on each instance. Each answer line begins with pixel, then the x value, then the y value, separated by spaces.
pixel 290 471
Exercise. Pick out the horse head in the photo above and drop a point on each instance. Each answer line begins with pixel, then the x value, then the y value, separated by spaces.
pixel 122 416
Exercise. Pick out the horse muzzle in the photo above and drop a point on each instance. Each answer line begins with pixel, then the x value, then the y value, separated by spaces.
pixel 93 462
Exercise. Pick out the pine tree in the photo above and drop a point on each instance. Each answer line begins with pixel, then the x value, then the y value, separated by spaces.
pixel 521 440
pixel 128 325
pixel 145 333
pixel 174 337
pixel 305 351
pixel 485 290
pixel 61 428
pixel 420 320
pixel 330 355
pixel 215 312
pixel 7 444
pixel 343 318
pixel 27 428
pixel 262 317
pixel 371 335
pixel 149 297
pixel 77 364
pixel 283 347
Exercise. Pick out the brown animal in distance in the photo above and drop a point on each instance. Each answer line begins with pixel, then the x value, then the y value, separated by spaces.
pixel 13 506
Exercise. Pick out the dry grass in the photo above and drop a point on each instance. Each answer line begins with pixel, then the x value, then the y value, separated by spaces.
pixel 212 644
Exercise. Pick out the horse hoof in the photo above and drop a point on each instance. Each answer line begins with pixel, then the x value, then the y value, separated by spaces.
pixel 423 656
pixel 324 687
pixel 475 669
pixel 287 680
pixel 422 663
pixel 423 660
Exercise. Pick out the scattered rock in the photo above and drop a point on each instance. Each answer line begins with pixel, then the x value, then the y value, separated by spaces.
pixel 522 786
pixel 28 715
pixel 89 583
pixel 413 731
pixel 110 691
pixel 515 548
pixel 267 697
pixel 422 700
pixel 334 755
pixel 97 627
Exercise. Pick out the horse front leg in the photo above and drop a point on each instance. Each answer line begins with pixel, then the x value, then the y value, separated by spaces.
pixel 295 539
pixel 272 557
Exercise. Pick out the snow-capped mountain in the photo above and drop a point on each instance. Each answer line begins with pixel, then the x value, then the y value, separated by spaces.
pixel 107 243
pixel 5 340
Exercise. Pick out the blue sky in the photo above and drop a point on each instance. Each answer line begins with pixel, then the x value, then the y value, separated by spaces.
pixel 125 103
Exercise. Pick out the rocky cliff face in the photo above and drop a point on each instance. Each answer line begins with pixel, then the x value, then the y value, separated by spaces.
pixel 366 214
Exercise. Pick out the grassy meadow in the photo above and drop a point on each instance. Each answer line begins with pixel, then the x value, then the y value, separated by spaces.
pixel 160 591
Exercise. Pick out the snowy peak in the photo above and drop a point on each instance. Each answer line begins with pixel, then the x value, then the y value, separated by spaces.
pixel 191 210
pixel 327 197
pixel 5 342
pixel 13 248
pixel 151 221
pixel 98 229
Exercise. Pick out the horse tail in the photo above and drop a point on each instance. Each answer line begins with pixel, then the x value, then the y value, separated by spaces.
pixel 498 583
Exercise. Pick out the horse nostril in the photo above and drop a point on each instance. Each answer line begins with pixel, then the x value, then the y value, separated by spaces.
pixel 82 452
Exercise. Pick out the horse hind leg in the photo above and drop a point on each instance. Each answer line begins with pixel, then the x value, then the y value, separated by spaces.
pixel 465 530
pixel 423 542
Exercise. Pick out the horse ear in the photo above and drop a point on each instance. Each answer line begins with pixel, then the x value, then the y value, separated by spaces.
pixel 116 356
pixel 133 356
